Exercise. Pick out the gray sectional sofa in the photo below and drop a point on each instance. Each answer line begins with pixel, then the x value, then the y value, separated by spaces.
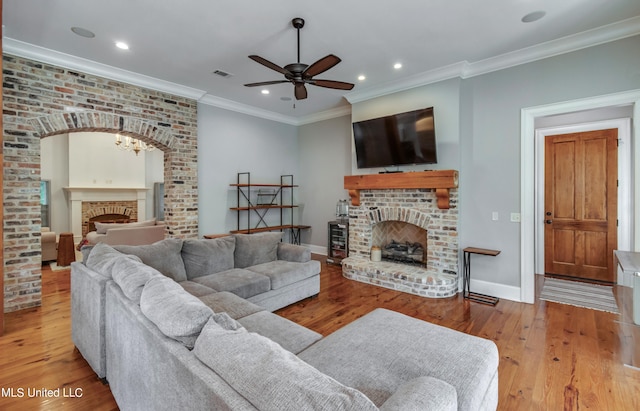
pixel 163 342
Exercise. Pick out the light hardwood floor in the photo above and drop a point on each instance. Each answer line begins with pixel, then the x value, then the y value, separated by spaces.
pixel 552 356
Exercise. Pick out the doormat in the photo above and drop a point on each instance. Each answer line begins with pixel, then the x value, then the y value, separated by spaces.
pixel 595 297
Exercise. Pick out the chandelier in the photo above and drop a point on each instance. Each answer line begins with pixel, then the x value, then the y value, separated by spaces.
pixel 132 144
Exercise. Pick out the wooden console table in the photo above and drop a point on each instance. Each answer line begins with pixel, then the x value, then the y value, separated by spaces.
pixel 466 279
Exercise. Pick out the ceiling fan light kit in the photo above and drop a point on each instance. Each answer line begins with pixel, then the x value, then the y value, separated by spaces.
pixel 301 74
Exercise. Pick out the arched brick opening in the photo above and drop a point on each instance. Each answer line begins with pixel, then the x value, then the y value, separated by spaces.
pixel 40 100
pixel 22 178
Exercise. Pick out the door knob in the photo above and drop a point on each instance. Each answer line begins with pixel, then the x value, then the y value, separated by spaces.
pixel 548 221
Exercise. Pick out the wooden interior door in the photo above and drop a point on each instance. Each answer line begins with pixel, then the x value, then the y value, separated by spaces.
pixel 581 201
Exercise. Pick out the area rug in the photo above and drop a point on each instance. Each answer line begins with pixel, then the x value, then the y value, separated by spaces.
pixel 596 297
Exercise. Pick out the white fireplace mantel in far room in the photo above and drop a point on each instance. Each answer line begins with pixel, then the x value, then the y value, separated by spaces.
pixel 76 195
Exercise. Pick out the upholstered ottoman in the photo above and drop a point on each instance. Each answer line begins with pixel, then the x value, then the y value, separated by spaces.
pixel 384 350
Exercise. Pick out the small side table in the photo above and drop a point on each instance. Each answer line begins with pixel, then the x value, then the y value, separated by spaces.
pixel 66 251
pixel 466 279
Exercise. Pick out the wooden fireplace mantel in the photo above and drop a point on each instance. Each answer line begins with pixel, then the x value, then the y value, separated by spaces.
pixel 440 180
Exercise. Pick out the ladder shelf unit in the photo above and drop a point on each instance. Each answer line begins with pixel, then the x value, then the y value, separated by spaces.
pixel 252 210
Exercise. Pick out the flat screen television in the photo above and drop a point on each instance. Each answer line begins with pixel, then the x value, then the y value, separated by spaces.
pixel 398 139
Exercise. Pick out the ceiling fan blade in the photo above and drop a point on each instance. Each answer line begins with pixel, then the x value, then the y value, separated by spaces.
pixel 266 83
pixel 340 85
pixel 321 66
pixel 269 64
pixel 300 91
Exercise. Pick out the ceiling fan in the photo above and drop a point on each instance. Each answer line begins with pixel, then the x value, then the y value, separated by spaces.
pixel 299 73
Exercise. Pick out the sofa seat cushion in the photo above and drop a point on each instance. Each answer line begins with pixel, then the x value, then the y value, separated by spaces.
pixel 178 314
pixel 270 377
pixel 253 249
pixel 163 255
pixel 243 283
pixel 283 273
pixel 195 289
pixel 203 257
pixel 383 344
pixel 231 304
pixel 291 336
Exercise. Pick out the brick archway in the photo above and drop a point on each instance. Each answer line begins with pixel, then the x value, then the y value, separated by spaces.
pixel 60 123
pixel 41 100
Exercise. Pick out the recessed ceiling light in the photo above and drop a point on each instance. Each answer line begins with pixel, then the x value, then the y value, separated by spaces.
pixel 265 91
pixel 83 32
pixel 397 66
pixel 122 45
pixel 361 77
pixel 535 16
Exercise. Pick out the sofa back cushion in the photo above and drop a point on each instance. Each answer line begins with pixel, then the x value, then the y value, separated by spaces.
pixel 164 255
pixel 204 257
pixel 253 249
pixel 102 257
pixel 178 314
pixel 270 377
pixel 101 228
pixel 132 275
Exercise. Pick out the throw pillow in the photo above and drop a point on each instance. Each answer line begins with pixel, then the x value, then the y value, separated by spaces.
pixel 163 255
pixel 253 249
pixel 178 314
pixel 270 377
pixel 102 257
pixel 204 257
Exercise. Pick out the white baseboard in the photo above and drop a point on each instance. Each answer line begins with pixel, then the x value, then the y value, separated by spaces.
pixel 316 249
pixel 506 292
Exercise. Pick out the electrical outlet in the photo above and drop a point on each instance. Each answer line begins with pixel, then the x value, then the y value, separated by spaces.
pixel 515 217
pixel 494 216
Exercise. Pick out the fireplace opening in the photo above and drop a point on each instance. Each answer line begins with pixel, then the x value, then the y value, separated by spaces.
pixel 404 252
pixel 401 242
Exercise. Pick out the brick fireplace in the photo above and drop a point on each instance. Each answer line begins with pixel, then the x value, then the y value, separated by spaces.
pixel 424 214
pixel 89 202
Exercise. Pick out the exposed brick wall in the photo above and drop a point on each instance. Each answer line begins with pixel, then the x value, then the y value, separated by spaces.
pixel 41 100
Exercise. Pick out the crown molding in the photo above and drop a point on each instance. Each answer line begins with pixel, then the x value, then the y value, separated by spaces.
pixel 30 51
pixel 215 101
pixel 325 115
pixel 417 80
pixel 601 35
pixel 605 34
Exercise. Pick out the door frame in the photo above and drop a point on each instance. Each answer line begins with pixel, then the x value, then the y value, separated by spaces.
pixel 624 211
pixel 527 173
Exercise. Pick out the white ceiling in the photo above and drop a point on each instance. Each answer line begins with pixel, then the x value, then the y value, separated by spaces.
pixel 175 46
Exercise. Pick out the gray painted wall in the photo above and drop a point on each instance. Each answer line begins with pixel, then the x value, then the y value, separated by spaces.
pixel 490 139
pixel 325 159
pixel 231 142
